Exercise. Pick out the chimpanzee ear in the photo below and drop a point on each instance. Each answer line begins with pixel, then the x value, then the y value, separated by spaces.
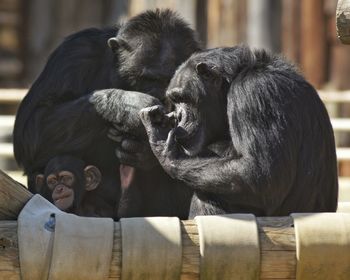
pixel 92 177
pixel 206 71
pixel 39 181
pixel 117 43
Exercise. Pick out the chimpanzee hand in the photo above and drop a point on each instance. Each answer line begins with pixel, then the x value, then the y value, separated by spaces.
pixel 121 108
pixel 160 134
pixel 131 151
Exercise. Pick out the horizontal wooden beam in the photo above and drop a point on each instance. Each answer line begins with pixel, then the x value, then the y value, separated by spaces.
pixel 341 124
pixel 329 96
pixel 12 96
pixel 277 247
pixel 6 150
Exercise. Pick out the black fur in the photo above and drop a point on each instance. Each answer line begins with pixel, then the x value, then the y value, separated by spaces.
pixel 56 117
pixel 251 136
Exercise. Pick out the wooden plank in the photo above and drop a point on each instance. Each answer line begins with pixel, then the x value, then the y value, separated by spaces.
pixel 13 197
pixel 343 21
pixel 291 29
pixel 17 176
pixel 223 23
pixel 275 263
pixel 344 189
pixel 6 150
pixel 7 122
pixel 313 42
pixel 343 207
pixel 12 96
pixel 343 154
pixel 329 96
pixel 341 124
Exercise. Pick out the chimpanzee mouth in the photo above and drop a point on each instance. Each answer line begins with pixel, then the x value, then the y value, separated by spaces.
pixel 62 197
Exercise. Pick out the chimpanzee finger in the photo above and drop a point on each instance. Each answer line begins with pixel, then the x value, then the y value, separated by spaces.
pixel 171 145
pixel 170 141
pixel 114 135
pixel 126 158
pixel 154 114
pixel 132 146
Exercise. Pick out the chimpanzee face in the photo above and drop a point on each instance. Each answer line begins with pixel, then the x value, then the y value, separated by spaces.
pixel 149 49
pixel 66 181
pixel 61 185
pixel 195 91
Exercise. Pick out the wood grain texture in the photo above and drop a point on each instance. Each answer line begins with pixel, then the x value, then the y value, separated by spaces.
pixel 277 242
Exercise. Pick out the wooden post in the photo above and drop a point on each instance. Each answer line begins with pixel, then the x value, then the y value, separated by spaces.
pixel 13 197
pixel 343 21
pixel 291 29
pixel 313 42
pixel 277 246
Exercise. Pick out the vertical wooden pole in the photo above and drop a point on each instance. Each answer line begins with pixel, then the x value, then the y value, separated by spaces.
pixel 313 41
pixel 291 29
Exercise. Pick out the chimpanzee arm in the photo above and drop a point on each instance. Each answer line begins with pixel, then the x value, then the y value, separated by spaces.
pixel 121 108
pixel 246 170
pixel 67 128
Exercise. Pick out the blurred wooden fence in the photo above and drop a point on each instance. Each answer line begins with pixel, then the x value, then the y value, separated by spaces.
pixel 304 31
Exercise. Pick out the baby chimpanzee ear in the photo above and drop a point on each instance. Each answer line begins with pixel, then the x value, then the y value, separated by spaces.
pixel 207 72
pixel 117 43
pixel 39 181
pixel 92 177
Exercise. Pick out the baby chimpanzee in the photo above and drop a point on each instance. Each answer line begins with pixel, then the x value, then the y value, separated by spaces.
pixel 73 186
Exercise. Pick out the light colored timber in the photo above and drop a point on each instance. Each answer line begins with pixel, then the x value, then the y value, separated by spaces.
pixel 343 21
pixel 334 96
pixel 276 235
pixel 7 122
pixel 6 150
pixel 343 154
pixel 13 197
pixel 12 96
pixel 342 124
pixel 344 189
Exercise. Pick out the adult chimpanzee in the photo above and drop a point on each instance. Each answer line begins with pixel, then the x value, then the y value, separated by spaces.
pixel 56 116
pixel 272 149
pixel 73 186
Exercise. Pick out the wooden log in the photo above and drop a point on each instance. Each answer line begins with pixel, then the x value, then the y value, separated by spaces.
pixel 343 21
pixel 313 42
pixel 277 246
pixel 12 96
pixel 13 197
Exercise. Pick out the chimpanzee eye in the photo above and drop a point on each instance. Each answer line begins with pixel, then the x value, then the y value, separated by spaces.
pixel 67 180
pixel 51 182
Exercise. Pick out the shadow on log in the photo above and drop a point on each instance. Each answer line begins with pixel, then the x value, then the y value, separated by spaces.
pixel 277 249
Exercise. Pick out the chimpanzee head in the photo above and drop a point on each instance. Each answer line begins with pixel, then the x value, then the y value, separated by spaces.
pixel 66 180
pixel 150 47
pixel 197 93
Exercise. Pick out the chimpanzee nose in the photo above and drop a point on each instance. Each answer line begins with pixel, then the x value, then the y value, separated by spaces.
pixel 59 188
